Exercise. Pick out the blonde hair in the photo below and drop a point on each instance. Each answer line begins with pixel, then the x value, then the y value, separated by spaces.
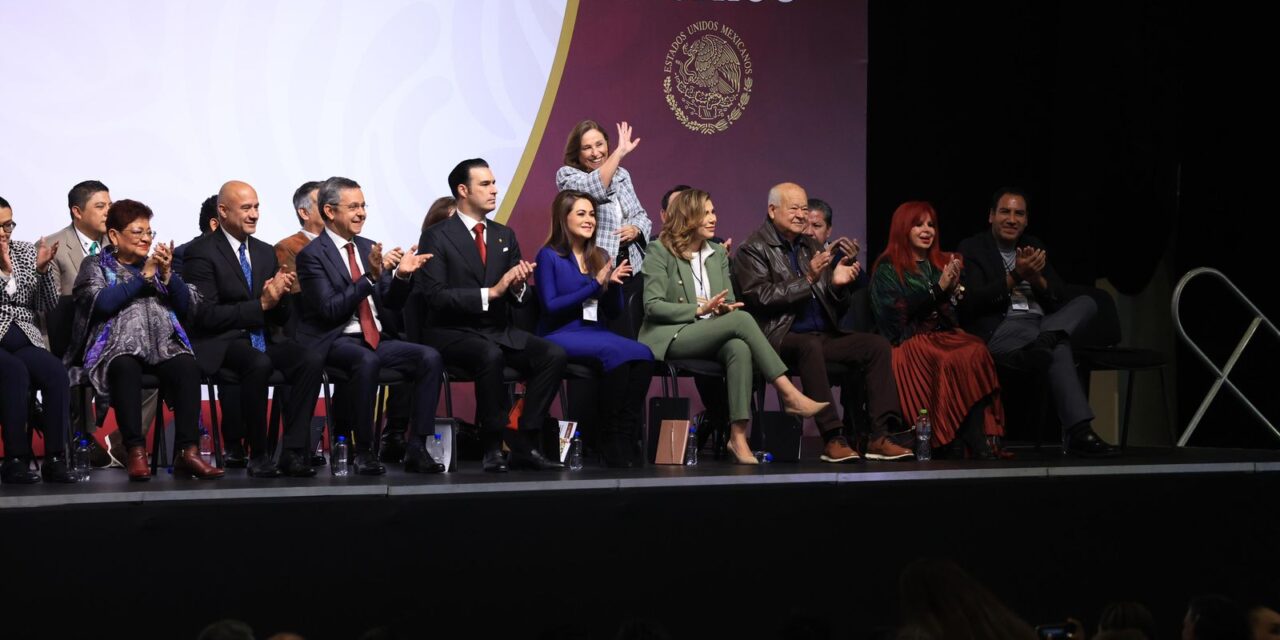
pixel 685 213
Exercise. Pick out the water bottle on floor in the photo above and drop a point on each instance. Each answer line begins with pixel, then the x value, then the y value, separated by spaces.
pixel 575 452
pixel 763 457
pixel 338 458
pixel 691 448
pixel 924 432
pixel 80 461
pixel 435 447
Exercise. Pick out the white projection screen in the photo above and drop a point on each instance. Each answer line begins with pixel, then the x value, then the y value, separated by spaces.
pixel 165 101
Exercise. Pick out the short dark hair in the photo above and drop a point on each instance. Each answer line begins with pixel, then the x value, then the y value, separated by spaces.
pixel 80 194
pixel 123 212
pixel 821 205
pixel 302 197
pixel 208 212
pixel 1009 191
pixel 461 174
pixel 666 197
pixel 331 191
pixel 4 204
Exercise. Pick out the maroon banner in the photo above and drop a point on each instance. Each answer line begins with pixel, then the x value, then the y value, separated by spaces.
pixel 727 96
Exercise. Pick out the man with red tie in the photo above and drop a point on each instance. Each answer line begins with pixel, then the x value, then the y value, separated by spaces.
pixel 476 273
pixel 352 294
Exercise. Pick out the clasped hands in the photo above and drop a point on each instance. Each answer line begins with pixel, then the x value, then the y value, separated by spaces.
pixel 716 305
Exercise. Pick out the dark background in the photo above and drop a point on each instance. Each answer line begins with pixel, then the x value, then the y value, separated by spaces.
pixel 1140 129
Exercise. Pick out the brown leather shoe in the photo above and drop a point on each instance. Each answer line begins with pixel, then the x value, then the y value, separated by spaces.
pixel 135 462
pixel 190 463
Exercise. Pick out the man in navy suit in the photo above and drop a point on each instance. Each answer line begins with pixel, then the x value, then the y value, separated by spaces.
pixel 351 294
pixel 242 292
pixel 475 274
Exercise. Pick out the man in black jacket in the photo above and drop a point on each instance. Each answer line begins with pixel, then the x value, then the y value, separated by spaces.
pixel 797 292
pixel 1016 302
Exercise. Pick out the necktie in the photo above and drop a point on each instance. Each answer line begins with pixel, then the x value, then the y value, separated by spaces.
pixel 256 337
pixel 93 248
pixel 479 229
pixel 364 311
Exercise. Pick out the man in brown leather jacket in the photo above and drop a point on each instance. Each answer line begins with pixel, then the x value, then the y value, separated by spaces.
pixel 797 294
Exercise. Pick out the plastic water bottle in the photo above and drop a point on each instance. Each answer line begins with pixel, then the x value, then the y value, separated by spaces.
pixel 206 446
pixel 764 457
pixel 80 461
pixel 435 447
pixel 924 432
pixel 575 452
pixel 338 458
pixel 691 448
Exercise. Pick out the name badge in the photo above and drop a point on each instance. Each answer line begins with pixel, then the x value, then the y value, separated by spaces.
pixel 1018 300
pixel 591 310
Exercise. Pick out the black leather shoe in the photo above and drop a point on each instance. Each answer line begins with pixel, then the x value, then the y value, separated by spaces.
pixel 393 447
pixel 234 457
pixel 367 465
pixel 18 471
pixel 494 462
pixel 317 460
pixel 1085 443
pixel 533 459
pixel 295 464
pixel 55 469
pixel 263 467
pixel 417 460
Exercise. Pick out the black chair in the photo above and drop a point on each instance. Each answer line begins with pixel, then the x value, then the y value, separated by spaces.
pixel 1097 348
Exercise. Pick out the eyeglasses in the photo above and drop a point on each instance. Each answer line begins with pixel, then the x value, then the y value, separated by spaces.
pixel 143 233
pixel 352 207
pixel 8 226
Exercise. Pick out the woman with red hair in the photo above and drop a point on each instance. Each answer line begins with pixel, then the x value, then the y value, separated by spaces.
pixel 937 366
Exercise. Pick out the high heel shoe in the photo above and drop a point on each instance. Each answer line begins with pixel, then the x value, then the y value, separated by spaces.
pixel 738 458
pixel 804 406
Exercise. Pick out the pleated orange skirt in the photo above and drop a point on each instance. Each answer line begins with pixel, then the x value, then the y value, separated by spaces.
pixel 947 372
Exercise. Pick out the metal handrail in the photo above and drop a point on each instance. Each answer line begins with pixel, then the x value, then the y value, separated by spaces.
pixel 1258 319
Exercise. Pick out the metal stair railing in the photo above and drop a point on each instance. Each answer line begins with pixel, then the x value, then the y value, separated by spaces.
pixel 1222 380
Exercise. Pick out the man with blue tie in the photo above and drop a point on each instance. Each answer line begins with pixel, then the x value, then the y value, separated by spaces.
pixel 242 293
pixel 351 294
pixel 476 273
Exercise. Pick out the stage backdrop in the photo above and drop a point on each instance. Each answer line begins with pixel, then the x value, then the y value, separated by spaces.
pixel 730 97
pixel 165 101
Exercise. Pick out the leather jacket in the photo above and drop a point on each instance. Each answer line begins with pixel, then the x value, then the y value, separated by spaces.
pixel 772 291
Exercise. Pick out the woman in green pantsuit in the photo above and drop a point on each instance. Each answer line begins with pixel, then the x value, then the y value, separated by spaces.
pixel 691 312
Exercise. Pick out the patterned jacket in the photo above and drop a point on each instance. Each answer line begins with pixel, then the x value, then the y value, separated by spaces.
pixel 36 293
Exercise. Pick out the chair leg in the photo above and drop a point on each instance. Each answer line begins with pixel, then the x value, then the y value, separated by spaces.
pixel 379 408
pixel 1168 413
pixel 1128 408
pixel 158 443
pixel 274 427
pixel 328 416
pixel 448 396
pixel 215 425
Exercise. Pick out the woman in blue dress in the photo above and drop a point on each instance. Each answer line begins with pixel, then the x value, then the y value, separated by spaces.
pixel 580 289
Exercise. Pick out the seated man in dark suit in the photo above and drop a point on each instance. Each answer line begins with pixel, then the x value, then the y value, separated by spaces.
pixel 475 274
pixel 228 395
pixel 242 291
pixel 1016 302
pixel 350 292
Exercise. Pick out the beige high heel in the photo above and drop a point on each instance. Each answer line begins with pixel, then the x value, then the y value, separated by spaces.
pixel 738 458
pixel 805 407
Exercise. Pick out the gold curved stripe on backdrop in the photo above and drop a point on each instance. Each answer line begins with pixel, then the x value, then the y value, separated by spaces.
pixel 544 113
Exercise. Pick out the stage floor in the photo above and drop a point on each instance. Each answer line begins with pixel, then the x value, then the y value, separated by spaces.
pixel 111 486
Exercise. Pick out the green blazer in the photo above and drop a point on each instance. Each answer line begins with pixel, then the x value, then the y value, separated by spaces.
pixel 669 298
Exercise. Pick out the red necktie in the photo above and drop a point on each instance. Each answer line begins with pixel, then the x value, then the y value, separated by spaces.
pixel 365 312
pixel 479 229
